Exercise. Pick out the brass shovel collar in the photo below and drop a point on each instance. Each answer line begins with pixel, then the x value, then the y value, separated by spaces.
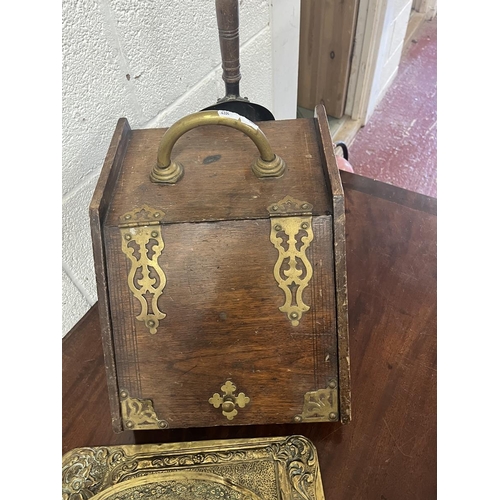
pixel 167 171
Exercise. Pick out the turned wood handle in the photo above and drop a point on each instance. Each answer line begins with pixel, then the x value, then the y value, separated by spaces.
pixel 229 40
pixel 167 171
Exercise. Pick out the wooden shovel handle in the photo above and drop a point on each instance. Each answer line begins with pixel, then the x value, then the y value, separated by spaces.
pixel 229 39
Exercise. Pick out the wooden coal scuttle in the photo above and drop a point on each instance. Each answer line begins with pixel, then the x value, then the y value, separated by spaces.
pixel 219 251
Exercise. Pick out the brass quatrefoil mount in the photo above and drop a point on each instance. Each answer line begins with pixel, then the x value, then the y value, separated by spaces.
pixel 229 400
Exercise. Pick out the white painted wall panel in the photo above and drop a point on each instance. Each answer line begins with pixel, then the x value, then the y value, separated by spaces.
pixel 73 303
pixel 94 91
pixel 395 22
pixel 285 19
pixel 77 246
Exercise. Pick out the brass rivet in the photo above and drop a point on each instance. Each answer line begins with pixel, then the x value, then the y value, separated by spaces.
pixel 305 205
pixel 297 418
pixel 332 416
pixel 227 406
pixel 275 207
pixel 151 323
pixel 127 217
pixel 156 214
pixel 128 237
pixel 277 227
pixel 154 234
pixel 332 384
pixel 162 424
pixel 123 394
pixel 304 225
pixel 294 315
pixel 129 424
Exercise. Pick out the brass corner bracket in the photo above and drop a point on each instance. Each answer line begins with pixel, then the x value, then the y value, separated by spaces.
pixel 139 414
pixel 321 405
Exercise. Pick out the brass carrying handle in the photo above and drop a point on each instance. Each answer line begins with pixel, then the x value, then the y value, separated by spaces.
pixel 169 172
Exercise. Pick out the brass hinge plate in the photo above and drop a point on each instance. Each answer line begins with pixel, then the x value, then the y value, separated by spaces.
pixel 291 234
pixel 143 244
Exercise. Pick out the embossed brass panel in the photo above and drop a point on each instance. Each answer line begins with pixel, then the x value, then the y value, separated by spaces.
pixel 143 244
pixel 291 234
pixel 262 468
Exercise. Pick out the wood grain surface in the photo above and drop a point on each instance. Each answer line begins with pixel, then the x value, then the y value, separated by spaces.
pixel 218 182
pixel 388 451
pixel 222 315
pixel 326 44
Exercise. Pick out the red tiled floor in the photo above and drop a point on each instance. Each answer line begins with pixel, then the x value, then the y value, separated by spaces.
pixel 398 145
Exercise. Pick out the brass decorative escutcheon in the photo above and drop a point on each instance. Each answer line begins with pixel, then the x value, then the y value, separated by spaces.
pixel 228 401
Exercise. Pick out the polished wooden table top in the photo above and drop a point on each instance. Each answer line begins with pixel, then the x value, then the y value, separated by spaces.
pixel 388 451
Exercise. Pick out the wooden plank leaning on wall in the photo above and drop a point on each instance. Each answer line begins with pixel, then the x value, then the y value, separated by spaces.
pixel 326 42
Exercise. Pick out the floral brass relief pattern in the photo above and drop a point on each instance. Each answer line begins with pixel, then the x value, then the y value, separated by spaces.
pixel 143 244
pixel 291 235
pixel 241 469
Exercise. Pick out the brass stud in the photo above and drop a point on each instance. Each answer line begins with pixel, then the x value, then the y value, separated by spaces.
pixel 332 415
pixel 332 384
pixel 151 323
pixel 275 207
pixel 294 315
pixel 227 406
pixel 129 424
pixel 127 217
pixel 156 214
pixel 154 234
pixel 128 237
pixel 162 424
pixel 277 227
pixel 305 206
pixel 304 225
pixel 123 394
pixel 297 419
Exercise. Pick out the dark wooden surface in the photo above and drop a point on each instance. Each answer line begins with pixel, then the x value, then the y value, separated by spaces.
pixel 218 182
pixel 222 314
pixel 388 451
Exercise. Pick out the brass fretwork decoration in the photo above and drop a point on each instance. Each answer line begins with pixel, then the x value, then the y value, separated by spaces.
pixel 291 234
pixel 229 400
pixel 321 405
pixel 142 243
pixel 284 467
pixel 139 413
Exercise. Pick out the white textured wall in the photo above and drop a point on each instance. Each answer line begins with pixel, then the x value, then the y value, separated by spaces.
pixel 397 14
pixel 152 62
